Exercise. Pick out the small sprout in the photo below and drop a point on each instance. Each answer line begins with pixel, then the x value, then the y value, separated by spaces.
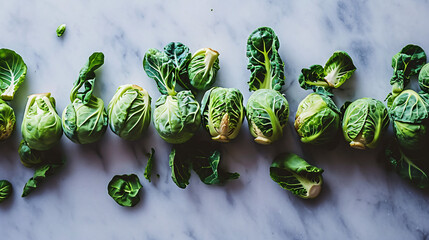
pixel 60 30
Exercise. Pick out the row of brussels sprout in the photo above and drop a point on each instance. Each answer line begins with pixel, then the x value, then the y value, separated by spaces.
pixel 178 115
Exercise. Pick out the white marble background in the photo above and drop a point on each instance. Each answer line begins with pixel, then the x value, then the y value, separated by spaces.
pixel 360 199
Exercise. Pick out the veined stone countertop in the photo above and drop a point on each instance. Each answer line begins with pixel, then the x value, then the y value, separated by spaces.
pixel 360 199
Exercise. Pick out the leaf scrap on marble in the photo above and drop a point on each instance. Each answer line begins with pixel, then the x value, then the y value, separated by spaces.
pixel 205 161
pixel 40 175
pixel 149 165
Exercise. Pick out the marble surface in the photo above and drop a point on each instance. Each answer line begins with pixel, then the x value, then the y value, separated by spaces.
pixel 360 199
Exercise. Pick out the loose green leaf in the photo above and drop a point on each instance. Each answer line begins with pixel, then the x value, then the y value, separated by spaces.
pixel 294 174
pixel 405 64
pixel 267 113
pixel 265 64
pixel 180 167
pixel 149 166
pixel 203 68
pixel 7 120
pixel 160 68
pixel 41 127
pixel 364 123
pixel 40 174
pixel 60 30
pixel 206 165
pixel 177 118
pixel 129 112
pixel 124 189
pixel 413 168
pixel 223 113
pixel 87 78
pixel 337 70
pixel 84 120
pixel 180 55
pixel 317 119
pixel 5 190
pixel 12 73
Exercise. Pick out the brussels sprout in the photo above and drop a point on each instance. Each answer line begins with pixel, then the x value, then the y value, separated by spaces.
pixel 177 118
pixel 223 113
pixel 5 190
pixel 12 73
pixel 409 113
pixel 60 30
pixel 29 157
pixel 364 122
pixel 294 174
pixel 41 126
pixel 424 78
pixel 267 113
pixel 125 189
pixel 265 64
pixel 85 118
pixel 202 68
pixel 317 119
pixel 337 70
pixel 405 64
pixel 129 112
pixel 412 167
pixel 7 120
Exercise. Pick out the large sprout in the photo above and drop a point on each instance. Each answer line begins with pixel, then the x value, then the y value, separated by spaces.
pixel 267 113
pixel 223 113
pixel 364 122
pixel 85 118
pixel 317 119
pixel 41 126
pixel 129 112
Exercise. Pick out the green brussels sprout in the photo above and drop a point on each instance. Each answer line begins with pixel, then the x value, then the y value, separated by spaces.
pixel 364 122
pixel 29 157
pixel 317 119
pixel 294 174
pixel 202 68
pixel 129 112
pixel 409 113
pixel 124 189
pixel 41 126
pixel 12 73
pixel 267 113
pixel 223 113
pixel 5 190
pixel 337 70
pixel 60 30
pixel 177 118
pixel 7 120
pixel 424 78
pixel 85 118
